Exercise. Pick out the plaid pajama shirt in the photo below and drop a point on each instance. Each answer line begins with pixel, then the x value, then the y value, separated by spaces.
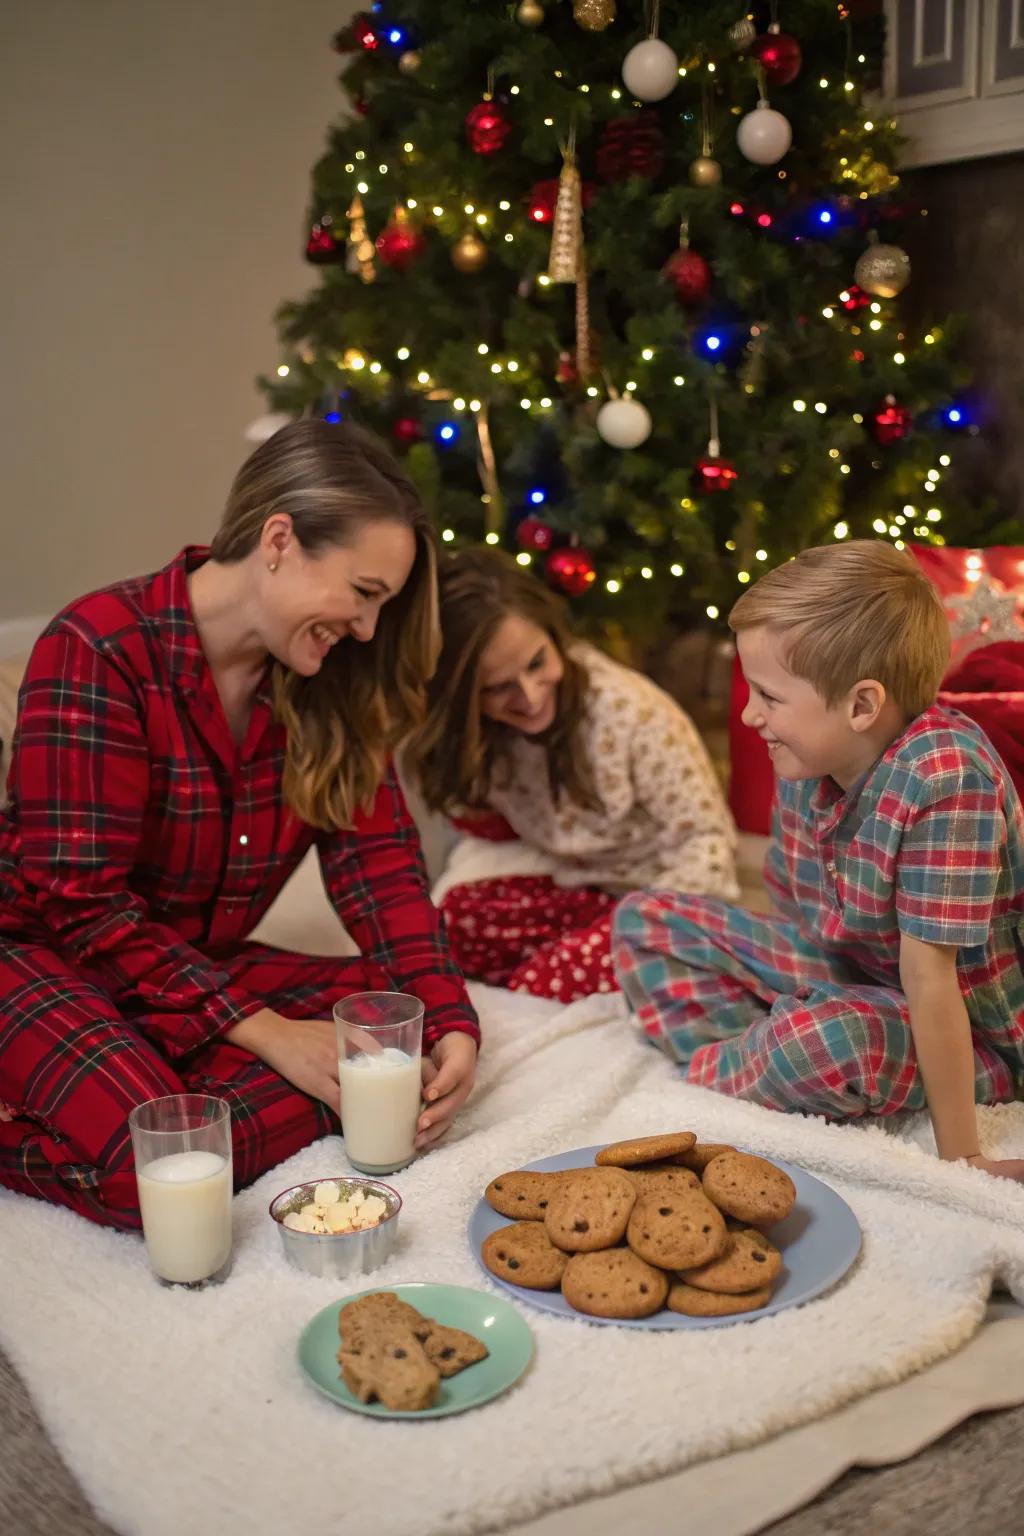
pixel 805 1011
pixel 139 847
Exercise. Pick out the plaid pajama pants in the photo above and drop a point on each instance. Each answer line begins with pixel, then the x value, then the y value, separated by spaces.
pixel 71 1069
pixel 748 1006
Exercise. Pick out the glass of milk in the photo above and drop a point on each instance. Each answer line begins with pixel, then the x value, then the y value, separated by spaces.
pixel 380 1035
pixel 182 1146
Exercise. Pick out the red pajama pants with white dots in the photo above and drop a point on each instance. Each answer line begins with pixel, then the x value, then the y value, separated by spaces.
pixel 528 934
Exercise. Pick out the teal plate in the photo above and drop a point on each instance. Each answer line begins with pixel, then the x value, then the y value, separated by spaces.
pixel 495 1322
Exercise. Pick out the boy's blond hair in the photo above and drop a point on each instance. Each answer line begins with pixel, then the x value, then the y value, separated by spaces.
pixel 854 611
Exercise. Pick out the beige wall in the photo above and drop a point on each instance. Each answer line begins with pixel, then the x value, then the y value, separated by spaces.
pixel 154 170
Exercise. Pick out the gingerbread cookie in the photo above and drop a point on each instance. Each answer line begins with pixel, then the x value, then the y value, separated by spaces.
pixel 523 1195
pixel 392 1369
pixel 695 1303
pixel 748 1262
pixel 678 1231
pixel 614 1283
pixel 644 1149
pixel 749 1188
pixel 525 1255
pixel 451 1350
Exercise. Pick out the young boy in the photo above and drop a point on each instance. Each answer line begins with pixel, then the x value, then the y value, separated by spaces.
pixel 895 976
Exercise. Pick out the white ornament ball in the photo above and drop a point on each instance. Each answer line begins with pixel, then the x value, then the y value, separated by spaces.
pixel 650 70
pixel 265 426
pixel 764 135
pixel 624 423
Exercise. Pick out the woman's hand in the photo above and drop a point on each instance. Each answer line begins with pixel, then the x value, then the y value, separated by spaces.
pixel 305 1051
pixel 1000 1168
pixel 448 1074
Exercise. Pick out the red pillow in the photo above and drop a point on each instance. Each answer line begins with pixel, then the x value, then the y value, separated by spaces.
pixel 751 775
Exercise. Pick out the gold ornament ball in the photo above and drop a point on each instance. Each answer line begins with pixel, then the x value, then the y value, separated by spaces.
pixel 470 253
pixel 593 15
pixel 883 270
pixel 529 13
pixel 742 34
pixel 705 172
pixel 410 61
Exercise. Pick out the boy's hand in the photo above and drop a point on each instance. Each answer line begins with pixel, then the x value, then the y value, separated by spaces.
pixel 1000 1168
pixel 448 1074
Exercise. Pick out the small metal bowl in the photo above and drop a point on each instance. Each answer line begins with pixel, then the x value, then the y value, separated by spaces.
pixel 338 1255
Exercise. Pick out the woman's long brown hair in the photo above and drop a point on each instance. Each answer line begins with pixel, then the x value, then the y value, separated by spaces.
pixel 457 753
pixel 343 723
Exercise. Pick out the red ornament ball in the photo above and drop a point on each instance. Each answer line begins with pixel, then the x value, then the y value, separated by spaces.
pixel 542 196
pixel 487 127
pixel 890 422
pixel 690 276
pixel 535 535
pixel 779 56
pixel 399 244
pixel 711 475
pixel 322 249
pixel 407 430
pixel 631 146
pixel 572 571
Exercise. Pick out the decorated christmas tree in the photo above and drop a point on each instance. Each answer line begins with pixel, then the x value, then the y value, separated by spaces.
pixel 622 283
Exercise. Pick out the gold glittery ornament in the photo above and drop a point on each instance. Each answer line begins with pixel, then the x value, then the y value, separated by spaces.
pixel 593 15
pixel 529 13
pixel 883 270
pixel 410 61
pixel 705 171
pixel 469 254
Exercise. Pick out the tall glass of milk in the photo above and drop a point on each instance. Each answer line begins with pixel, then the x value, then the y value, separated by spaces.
pixel 380 1035
pixel 182 1146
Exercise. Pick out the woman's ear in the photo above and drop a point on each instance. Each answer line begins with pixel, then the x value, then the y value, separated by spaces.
pixel 276 537
pixel 866 702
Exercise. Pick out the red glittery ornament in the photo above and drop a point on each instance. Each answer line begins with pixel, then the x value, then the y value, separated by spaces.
pixel 487 127
pixel 321 248
pixel 630 146
pixel 890 422
pixel 364 34
pixel 566 371
pixel 854 298
pixel 400 242
pixel 572 571
pixel 779 56
pixel 711 475
pixel 541 198
pixel 407 430
pixel 535 535
pixel 689 275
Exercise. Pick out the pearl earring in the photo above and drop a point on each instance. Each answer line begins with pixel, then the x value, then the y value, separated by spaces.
pixel 272 566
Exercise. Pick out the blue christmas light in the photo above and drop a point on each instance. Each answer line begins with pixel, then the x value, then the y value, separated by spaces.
pixel 712 343
pixel 332 416
pixel 447 432
pixel 954 416
pixel 537 497
pixel 395 36
pixel 825 216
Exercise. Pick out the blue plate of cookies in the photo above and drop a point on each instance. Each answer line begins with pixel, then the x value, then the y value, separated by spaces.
pixel 631 1272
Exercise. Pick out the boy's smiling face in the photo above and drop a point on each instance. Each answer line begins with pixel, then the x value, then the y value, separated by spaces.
pixel 806 738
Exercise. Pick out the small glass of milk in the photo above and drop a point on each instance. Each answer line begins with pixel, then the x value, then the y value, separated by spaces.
pixel 380 1035
pixel 182 1146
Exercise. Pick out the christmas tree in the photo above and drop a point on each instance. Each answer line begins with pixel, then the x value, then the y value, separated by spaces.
pixel 622 283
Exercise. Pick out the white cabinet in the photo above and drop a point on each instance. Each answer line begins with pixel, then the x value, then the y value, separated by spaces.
pixel 954 77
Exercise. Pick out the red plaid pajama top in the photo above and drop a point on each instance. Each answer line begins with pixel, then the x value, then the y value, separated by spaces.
pixel 143 844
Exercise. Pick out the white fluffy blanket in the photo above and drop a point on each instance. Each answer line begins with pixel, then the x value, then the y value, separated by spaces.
pixel 187 1411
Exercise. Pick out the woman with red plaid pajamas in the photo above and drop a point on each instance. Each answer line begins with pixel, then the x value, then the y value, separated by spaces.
pixel 182 740
pixel 598 774
pixel 894 978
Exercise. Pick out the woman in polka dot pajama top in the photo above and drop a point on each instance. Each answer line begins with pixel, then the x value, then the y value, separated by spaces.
pixel 597 773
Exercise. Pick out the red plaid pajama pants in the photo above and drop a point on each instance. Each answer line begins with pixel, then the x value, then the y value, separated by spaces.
pixel 531 935
pixel 71 1069
pixel 749 1006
